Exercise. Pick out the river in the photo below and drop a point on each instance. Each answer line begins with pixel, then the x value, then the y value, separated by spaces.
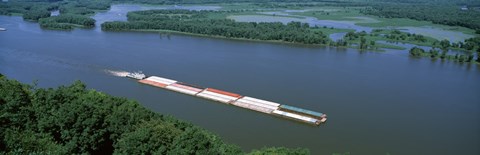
pixel 377 103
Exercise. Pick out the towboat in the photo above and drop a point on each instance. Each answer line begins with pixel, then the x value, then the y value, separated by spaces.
pixel 136 75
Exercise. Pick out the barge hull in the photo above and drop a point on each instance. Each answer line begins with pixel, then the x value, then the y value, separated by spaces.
pixel 238 100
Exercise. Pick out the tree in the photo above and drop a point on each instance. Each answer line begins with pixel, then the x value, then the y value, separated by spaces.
pixel 157 134
pixel 443 55
pixel 462 58
pixel 27 140
pixel 74 120
pixel 363 43
pixel 196 141
pixel 434 53
pixel 445 44
pixel 197 22
pixel 416 52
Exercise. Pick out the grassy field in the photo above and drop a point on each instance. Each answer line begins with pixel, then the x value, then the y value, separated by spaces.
pixel 341 14
pixel 353 15
pixel 332 13
pixel 238 6
pixel 329 31
pixel 388 46
pixel 403 22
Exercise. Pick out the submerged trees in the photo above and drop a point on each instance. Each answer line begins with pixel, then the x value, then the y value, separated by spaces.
pixel 417 52
pixel 434 54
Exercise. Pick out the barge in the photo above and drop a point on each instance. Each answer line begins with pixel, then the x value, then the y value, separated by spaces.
pixel 259 105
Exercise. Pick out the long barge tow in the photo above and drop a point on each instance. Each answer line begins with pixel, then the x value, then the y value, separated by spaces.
pixel 268 107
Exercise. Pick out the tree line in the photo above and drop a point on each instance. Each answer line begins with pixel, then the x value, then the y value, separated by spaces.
pixel 436 13
pixel 72 13
pixel 74 120
pixel 66 22
pixel 30 10
pixel 295 32
pixel 433 53
pixel 469 45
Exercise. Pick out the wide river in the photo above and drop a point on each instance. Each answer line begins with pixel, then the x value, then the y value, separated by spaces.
pixel 377 103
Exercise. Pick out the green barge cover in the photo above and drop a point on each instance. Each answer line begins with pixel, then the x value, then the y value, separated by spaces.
pixel 300 110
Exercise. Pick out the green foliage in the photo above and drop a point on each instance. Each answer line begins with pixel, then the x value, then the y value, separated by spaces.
pixel 84 7
pixel 197 141
pixel 341 43
pixel 72 13
pixel 361 39
pixel 363 43
pixel 151 137
pixel 35 15
pixel 397 35
pixel 469 57
pixel 74 120
pixel 437 13
pixel 280 151
pixel 472 43
pixel 30 141
pixel 434 53
pixel 192 22
pixel 66 22
pixel 445 44
pixel 417 52
pixel 31 10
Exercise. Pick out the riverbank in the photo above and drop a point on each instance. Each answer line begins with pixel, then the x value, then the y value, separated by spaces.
pixel 344 83
pixel 337 15
pixel 168 32
pixel 88 121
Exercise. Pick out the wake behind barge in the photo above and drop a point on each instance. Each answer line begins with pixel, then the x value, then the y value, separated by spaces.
pixel 286 111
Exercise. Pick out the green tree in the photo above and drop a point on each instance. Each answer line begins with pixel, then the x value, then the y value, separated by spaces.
pixel 150 137
pixel 416 52
pixel 443 55
pixel 363 43
pixel 444 44
pixel 196 141
pixel 74 120
pixel 29 141
pixel 434 53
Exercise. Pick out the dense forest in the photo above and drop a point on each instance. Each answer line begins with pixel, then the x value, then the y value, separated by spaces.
pixel 196 22
pixel 72 13
pixel 74 120
pixel 66 22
